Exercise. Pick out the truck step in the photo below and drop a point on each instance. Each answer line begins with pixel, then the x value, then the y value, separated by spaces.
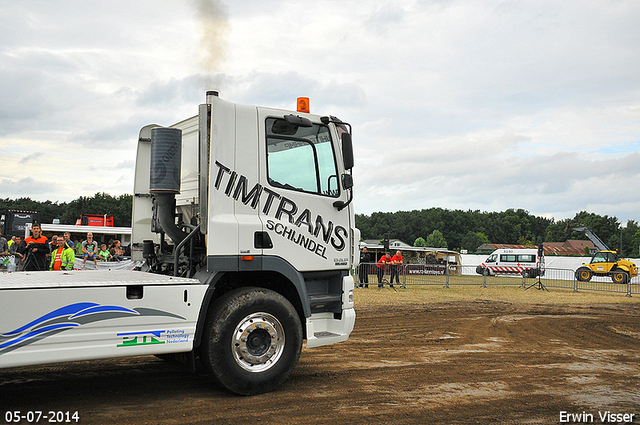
pixel 324 298
pixel 324 334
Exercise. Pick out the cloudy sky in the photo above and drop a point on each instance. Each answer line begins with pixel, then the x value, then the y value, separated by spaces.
pixel 457 104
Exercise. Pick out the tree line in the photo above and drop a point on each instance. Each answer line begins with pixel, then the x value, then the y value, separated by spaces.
pixel 434 227
pixel 457 229
pixel 68 212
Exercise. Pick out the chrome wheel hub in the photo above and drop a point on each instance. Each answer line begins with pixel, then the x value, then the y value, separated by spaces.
pixel 258 342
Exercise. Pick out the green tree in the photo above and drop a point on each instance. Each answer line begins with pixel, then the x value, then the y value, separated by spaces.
pixel 436 240
pixel 605 227
pixel 420 242
pixel 101 203
pixel 472 240
pixel 635 244
pixel 629 242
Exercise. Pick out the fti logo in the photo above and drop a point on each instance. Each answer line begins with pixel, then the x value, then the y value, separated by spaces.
pixel 132 339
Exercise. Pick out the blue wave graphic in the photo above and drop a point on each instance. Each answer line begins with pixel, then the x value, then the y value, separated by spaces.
pixel 102 309
pixel 38 332
pixel 61 319
pixel 68 310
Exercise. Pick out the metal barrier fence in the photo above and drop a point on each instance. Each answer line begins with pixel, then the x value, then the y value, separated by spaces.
pixel 446 275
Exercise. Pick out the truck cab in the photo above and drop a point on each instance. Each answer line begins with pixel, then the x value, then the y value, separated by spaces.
pixel 244 196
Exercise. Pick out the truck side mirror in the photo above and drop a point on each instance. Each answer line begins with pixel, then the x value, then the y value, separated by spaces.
pixel 347 181
pixel 347 151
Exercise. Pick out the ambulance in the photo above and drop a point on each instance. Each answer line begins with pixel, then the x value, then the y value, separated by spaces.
pixel 504 261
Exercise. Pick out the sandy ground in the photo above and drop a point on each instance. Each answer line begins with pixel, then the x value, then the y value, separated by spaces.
pixel 416 356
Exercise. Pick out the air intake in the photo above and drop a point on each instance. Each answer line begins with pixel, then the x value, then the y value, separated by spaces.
pixel 166 154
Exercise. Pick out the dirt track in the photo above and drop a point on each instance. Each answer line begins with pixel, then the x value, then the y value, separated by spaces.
pixel 409 361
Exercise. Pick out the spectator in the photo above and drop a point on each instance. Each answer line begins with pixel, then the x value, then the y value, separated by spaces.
pixel 116 251
pixel 104 253
pixel 4 252
pixel 396 264
pixel 62 257
pixel 17 249
pixel 4 246
pixel 90 250
pixel 68 241
pixel 363 272
pixel 37 250
pixel 382 265
pixel 52 244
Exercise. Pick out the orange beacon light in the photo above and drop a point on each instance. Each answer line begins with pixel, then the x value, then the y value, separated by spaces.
pixel 303 104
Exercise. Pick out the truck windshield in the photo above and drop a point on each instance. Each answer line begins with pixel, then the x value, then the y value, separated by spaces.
pixel 604 257
pixel 301 158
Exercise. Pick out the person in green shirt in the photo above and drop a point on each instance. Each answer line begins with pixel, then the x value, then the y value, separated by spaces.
pixel 104 253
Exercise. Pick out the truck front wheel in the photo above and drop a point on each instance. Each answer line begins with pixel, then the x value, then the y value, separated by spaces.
pixel 583 274
pixel 252 340
pixel 620 276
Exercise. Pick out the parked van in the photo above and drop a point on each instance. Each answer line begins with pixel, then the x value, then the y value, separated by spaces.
pixel 524 262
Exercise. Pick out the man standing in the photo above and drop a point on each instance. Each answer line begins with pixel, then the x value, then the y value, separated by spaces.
pixel 4 246
pixel 382 264
pixel 62 257
pixel 90 249
pixel 396 263
pixel 363 272
pixel 17 249
pixel 68 241
pixel 37 250
pixel 4 250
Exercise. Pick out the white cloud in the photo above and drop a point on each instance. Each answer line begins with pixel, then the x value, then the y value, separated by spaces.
pixel 455 103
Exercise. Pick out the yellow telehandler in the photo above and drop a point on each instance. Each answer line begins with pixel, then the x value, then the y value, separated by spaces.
pixel 605 263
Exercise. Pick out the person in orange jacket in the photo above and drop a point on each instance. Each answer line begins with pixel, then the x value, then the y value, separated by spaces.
pixel 396 264
pixel 382 265
pixel 37 250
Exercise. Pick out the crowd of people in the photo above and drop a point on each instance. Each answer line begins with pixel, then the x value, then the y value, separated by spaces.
pixel 37 253
pixel 386 264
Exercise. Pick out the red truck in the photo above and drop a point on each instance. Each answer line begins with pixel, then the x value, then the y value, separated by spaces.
pixel 95 220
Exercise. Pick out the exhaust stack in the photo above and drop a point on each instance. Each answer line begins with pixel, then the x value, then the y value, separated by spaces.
pixel 164 181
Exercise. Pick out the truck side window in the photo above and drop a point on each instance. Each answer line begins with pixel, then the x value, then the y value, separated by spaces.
pixel 301 158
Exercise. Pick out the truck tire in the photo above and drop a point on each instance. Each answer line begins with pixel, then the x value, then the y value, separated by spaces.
pixel 252 340
pixel 583 274
pixel 620 276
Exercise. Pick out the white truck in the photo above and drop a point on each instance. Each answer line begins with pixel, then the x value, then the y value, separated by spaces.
pixel 242 218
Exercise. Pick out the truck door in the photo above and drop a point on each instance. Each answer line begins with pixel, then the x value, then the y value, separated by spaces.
pixel 603 262
pixel 300 175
